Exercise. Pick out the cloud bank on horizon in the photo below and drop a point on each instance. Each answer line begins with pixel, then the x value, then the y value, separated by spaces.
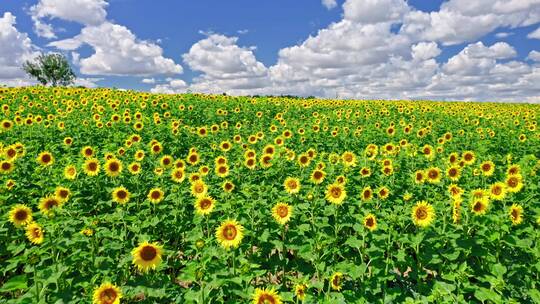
pixel 381 49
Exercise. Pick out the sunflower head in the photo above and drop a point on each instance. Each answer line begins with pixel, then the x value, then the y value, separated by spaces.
pixel 155 195
pixel 48 204
pixel 292 185
pixel 282 213
pixel 229 234
pixel 300 291
pixel 34 233
pixel 423 214
pixel 336 281
pixel 479 205
pixel 266 296
pixel 91 167
pixel 20 215
pixel 45 158
pixel 120 195
pixel 370 222
pixel 516 214
pixel 107 293
pixel 204 205
pixel 113 167
pixel 335 193
pixel 147 256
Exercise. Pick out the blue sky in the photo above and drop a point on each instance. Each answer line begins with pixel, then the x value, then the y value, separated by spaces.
pixel 487 50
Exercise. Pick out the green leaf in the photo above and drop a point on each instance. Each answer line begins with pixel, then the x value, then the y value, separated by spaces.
pixel 15 283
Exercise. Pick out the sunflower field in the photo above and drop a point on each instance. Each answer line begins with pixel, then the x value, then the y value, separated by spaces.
pixel 110 196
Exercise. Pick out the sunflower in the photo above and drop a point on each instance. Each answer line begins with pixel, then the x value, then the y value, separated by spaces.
pixel 10 184
pixel 6 167
pixel 348 158
pixel 514 183
pixel 317 176
pixel 147 256
pixel 487 167
pixel 107 293
pixel 230 234
pixel 516 214
pixel 70 172
pixel 423 214
pixel 292 185
pixel 367 193
pixel 335 193
pixel 370 222
pixel 155 195
pixel 199 188
pixel 62 193
pixel 120 195
pixel 222 170
pixel 87 152
pixel 419 176
pixel 178 175
pixel 34 233
pixel 365 172
pixel 453 173
pixel 166 161
pixel 304 160
pixel 336 280
pixel 455 190
pixel 497 191
pixel 479 206
pixel 513 170
pixel 113 167
pixel 227 186
pixel 134 168
pixel 468 157
pixel 204 205
pixel 91 167
pixel 282 213
pixel 20 215
pixel 47 204
pixel 266 296
pixel 45 158
pixel 300 291
pixel 456 209
pixel 383 193
pixel 193 158
pixel 433 175
pixel 250 163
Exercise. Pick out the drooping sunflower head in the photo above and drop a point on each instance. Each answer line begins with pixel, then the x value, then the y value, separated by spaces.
pixel 336 281
pixel 370 222
pixel 107 293
pixel 516 214
pixel 335 193
pixel 300 291
pixel 121 195
pixel 229 234
pixel 34 233
pixel 48 204
pixel 155 195
pixel 147 256
pixel 266 296
pixel 282 213
pixel 204 205
pixel 113 167
pixel 423 214
pixel 20 215
pixel 292 185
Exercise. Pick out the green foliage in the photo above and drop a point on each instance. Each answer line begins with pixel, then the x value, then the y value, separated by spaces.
pixel 50 69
